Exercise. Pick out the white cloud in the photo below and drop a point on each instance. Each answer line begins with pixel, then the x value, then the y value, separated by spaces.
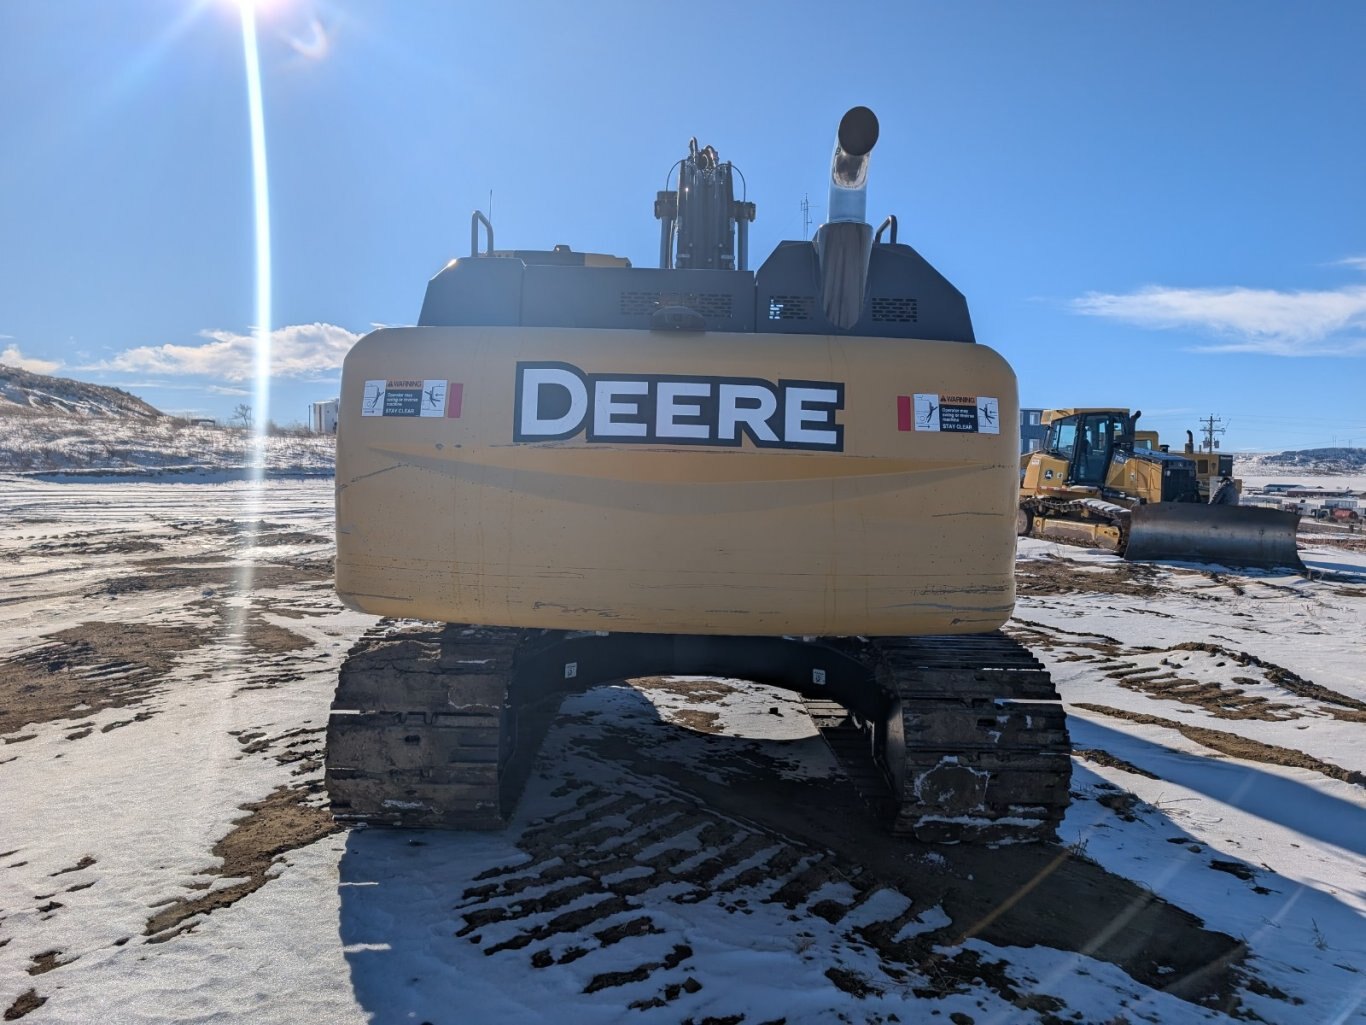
pixel 1357 262
pixel 315 45
pixel 297 351
pixel 12 357
pixel 1326 323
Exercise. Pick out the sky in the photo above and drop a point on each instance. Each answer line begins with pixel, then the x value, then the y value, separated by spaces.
pixel 1158 206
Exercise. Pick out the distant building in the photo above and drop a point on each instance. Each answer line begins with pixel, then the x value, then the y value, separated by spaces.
pixel 1032 430
pixel 322 416
pixel 1319 493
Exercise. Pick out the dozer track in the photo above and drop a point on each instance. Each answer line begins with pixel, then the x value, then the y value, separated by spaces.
pixel 950 739
pixel 1084 521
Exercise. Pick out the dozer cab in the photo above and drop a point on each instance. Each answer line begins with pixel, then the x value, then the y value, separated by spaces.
pixel 1091 483
pixel 580 471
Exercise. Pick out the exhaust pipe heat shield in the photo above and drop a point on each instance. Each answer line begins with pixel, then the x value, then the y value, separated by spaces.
pixel 845 241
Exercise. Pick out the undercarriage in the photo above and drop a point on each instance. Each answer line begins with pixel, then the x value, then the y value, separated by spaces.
pixel 948 739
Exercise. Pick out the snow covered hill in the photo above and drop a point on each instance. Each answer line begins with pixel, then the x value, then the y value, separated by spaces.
pixel 54 425
pixel 61 395
pixel 104 446
pixel 1328 462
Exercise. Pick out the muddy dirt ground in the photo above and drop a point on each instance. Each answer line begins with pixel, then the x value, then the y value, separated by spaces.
pixel 168 657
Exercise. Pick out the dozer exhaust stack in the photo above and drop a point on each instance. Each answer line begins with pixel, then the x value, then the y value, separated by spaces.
pixel 1232 535
pixel 845 241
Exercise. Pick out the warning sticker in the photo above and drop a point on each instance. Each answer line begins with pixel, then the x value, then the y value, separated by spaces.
pixel 971 414
pixel 412 398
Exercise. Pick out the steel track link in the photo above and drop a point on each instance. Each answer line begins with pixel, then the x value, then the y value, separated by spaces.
pixel 423 732
pixel 977 747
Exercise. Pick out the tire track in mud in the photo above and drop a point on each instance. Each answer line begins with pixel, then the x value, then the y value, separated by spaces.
pixel 601 869
pixel 76 672
pixel 289 818
pixel 1189 672
pixel 1236 746
pixel 630 843
pixel 1055 574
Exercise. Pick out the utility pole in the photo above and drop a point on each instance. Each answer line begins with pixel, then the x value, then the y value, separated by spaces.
pixel 1210 430
pixel 806 215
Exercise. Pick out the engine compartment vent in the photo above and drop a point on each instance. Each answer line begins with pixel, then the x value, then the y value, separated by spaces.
pixel 790 307
pixel 712 305
pixel 894 310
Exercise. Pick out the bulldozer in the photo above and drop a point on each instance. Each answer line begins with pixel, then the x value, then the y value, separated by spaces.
pixel 1100 482
pixel 575 471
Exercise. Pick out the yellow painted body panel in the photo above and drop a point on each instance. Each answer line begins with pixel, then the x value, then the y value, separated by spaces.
pixel 904 531
pixel 1135 478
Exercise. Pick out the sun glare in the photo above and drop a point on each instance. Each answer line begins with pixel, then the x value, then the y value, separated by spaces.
pixel 261 223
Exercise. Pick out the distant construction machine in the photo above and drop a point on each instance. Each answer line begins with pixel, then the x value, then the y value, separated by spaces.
pixel 1210 468
pixel 1092 484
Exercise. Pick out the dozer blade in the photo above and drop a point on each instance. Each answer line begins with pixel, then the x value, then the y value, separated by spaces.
pixel 1234 535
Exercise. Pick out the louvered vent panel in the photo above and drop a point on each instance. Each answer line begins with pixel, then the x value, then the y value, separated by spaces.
pixel 789 307
pixel 713 305
pixel 894 310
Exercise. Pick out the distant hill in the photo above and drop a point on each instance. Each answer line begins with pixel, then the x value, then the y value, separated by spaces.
pixel 1326 461
pixel 22 390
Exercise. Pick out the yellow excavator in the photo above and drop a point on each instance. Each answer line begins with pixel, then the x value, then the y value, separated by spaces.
pixel 582 471
pixel 1093 482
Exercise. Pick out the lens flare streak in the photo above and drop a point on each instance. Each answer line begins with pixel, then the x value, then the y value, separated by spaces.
pixel 261 200
pixel 256 454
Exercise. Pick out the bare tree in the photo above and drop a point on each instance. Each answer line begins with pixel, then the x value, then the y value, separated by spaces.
pixel 242 415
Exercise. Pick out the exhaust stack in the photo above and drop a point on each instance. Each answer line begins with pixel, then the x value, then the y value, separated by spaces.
pixel 854 144
pixel 845 242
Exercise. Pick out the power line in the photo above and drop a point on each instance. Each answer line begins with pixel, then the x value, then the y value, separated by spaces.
pixel 1349 424
pixel 1210 430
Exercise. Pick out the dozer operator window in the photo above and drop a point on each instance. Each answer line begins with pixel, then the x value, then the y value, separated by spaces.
pixel 1062 438
pixel 1095 445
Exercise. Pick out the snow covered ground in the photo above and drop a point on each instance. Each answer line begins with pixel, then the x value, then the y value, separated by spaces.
pixel 686 849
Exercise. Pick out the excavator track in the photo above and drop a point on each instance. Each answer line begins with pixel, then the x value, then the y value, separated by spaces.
pixel 977 747
pixel 948 739
pixel 422 734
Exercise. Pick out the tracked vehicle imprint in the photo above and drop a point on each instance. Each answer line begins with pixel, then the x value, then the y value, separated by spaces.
pixel 796 475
